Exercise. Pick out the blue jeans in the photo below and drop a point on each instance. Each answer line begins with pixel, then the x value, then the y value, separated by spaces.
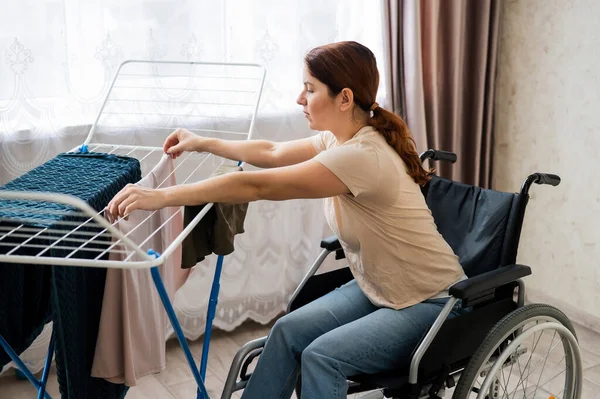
pixel 338 335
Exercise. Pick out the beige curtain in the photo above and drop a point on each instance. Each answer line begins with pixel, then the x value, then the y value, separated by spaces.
pixel 448 59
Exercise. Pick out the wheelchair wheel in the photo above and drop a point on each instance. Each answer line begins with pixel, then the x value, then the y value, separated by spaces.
pixel 530 353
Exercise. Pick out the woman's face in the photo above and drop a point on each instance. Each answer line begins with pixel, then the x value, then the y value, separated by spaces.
pixel 319 107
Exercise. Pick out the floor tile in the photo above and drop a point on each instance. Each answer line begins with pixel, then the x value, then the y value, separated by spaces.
pixel 589 359
pixel 588 339
pixel 593 374
pixel 13 388
pixel 222 349
pixel 149 388
pixel 177 369
pixel 187 390
pixel 590 390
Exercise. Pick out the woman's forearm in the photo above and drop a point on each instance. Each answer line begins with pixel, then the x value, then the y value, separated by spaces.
pixel 230 188
pixel 255 152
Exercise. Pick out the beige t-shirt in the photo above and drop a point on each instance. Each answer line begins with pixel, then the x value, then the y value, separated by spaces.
pixel 391 242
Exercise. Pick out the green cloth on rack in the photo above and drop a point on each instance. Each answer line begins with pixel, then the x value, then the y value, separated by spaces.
pixel 31 295
pixel 216 231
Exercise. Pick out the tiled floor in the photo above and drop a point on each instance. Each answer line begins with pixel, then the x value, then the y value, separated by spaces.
pixel 176 382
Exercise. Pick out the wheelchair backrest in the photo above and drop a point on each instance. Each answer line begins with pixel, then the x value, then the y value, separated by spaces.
pixel 482 226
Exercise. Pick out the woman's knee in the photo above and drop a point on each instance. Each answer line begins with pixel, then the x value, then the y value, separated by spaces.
pixel 319 353
pixel 290 322
pixel 283 325
pixel 288 330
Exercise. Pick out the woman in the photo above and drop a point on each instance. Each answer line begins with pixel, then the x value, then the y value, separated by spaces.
pixel 365 165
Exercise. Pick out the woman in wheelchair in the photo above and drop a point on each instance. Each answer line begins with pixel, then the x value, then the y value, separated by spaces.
pixel 365 166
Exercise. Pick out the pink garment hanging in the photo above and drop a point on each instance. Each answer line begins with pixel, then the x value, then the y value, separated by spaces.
pixel 133 323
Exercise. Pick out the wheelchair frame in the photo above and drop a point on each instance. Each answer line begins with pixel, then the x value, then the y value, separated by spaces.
pixel 472 289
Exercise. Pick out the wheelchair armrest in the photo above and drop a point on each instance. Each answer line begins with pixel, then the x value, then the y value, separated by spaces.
pixel 244 372
pixel 485 284
pixel 331 243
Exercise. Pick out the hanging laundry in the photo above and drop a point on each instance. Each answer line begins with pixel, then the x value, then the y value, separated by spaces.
pixel 216 231
pixel 133 327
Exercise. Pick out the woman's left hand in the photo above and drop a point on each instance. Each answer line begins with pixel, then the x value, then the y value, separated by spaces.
pixel 133 197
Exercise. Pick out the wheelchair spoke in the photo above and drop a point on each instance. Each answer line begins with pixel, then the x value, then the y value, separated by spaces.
pixel 510 374
pixel 530 357
pixel 516 359
pixel 529 360
pixel 525 374
pixel 553 379
pixel 545 360
pixel 505 386
pixel 479 382
pixel 533 350
pixel 560 393
pixel 540 362
pixel 520 381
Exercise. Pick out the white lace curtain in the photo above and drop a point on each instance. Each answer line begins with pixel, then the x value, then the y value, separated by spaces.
pixel 60 55
pixel 58 58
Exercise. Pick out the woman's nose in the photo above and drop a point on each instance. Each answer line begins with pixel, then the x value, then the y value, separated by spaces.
pixel 301 100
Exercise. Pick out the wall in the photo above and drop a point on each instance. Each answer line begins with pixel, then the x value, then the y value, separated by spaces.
pixel 548 120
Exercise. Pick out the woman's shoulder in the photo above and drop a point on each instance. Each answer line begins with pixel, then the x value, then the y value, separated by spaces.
pixel 365 137
pixel 328 139
pixel 369 137
pixel 368 147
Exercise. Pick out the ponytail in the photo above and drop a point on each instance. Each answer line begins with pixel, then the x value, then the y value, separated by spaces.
pixel 396 133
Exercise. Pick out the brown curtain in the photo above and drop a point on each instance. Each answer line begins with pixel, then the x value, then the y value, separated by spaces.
pixel 394 56
pixel 449 52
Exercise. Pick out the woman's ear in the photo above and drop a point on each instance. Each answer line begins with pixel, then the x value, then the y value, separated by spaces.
pixel 347 99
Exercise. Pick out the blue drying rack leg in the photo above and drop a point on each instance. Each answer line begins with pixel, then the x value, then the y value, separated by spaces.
pixel 212 306
pixel 162 292
pixel 40 385
pixel 42 388
pixel 210 315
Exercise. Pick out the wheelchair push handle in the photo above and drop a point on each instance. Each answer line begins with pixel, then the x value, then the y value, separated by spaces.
pixel 539 178
pixel 547 178
pixel 438 155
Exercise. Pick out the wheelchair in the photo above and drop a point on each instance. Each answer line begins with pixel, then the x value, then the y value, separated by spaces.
pixel 478 353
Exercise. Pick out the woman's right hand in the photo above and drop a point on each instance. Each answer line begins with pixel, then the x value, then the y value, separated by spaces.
pixel 181 140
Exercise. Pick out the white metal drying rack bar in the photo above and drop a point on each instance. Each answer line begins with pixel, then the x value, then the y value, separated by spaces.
pixel 158 89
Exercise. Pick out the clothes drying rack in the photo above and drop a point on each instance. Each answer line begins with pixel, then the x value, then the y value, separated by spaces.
pixel 145 102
